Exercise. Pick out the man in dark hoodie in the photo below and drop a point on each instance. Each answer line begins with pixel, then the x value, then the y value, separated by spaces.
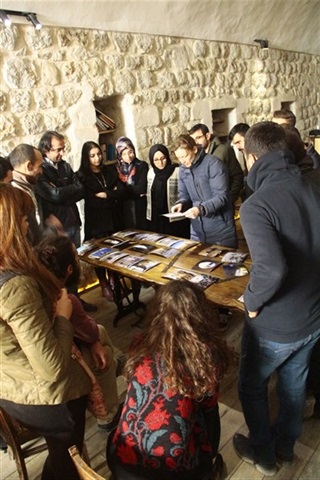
pixel 282 227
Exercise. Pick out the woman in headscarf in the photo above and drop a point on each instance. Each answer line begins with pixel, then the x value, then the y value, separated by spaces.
pixel 162 192
pixel 133 173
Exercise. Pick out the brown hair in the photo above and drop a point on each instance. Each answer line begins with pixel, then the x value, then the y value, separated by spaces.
pixel 16 253
pixel 181 326
pixel 184 141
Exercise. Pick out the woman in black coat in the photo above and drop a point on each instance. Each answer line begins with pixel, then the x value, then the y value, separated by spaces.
pixel 103 192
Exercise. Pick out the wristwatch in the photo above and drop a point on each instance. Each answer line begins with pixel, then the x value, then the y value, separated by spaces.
pixel 202 211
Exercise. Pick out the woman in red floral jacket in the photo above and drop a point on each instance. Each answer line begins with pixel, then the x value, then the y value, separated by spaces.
pixel 170 425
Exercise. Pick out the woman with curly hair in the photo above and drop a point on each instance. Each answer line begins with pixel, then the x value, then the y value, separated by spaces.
pixel 170 425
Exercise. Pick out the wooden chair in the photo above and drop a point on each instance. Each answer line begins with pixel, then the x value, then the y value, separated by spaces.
pixel 85 472
pixel 21 441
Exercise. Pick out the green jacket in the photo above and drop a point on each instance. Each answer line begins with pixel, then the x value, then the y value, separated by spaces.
pixel 36 367
pixel 226 154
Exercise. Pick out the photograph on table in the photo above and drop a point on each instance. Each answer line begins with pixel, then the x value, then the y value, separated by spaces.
pixel 234 257
pixel 97 254
pixel 142 248
pixel 143 266
pixel 165 252
pixel 128 260
pixel 206 266
pixel 231 270
pixel 202 280
pixel 113 256
pixel 85 247
pixel 210 251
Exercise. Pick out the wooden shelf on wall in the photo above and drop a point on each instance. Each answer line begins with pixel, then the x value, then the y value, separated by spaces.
pixel 105 123
pixel 102 132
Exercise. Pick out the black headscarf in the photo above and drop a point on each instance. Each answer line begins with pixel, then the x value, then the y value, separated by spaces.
pixel 159 185
pixel 167 171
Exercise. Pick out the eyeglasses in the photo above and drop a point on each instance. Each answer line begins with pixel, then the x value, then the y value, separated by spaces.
pixel 58 150
pixel 198 137
pixel 161 159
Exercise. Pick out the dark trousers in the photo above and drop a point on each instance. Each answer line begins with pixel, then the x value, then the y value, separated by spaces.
pixel 314 372
pixel 61 425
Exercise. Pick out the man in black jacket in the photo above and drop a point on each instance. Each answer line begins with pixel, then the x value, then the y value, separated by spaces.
pixel 281 224
pixel 58 189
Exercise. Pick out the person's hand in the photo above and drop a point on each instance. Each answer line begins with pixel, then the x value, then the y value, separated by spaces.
pixel 99 355
pixel 64 305
pixel 101 195
pixel 193 212
pixel 176 208
pixel 53 222
pixel 253 314
pixel 75 352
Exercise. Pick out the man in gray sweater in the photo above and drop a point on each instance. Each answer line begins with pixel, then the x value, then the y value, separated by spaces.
pixel 281 224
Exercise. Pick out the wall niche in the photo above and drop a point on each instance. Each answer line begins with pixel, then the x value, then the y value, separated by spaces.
pixel 110 124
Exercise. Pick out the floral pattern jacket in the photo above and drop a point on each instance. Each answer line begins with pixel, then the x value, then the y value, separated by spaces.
pixel 161 429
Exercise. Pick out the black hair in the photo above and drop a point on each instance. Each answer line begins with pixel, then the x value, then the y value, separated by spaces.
pixel 264 137
pixel 5 167
pixel 240 128
pixel 45 141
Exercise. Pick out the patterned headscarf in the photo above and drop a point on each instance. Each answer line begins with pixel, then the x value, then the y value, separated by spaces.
pixel 125 170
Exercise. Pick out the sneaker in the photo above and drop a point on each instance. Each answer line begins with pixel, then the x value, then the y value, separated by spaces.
pixel 114 422
pixel 88 307
pixel 120 363
pixel 245 452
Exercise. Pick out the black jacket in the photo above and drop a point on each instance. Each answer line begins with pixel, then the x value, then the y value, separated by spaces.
pixel 57 192
pixel 281 223
pixel 101 215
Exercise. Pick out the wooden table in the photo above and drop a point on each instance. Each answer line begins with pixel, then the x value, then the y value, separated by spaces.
pixel 184 262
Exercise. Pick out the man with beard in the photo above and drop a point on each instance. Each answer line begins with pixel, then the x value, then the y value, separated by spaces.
pixel 26 161
pixel 213 146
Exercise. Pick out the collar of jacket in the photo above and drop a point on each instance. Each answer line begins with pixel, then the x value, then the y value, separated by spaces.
pixel 271 168
pixel 199 157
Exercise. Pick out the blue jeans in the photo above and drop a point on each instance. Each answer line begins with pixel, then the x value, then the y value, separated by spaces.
pixel 259 359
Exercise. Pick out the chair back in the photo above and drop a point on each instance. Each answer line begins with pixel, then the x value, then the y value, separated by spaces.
pixel 17 436
pixel 85 472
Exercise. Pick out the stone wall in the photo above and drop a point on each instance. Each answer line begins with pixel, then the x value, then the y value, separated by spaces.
pixel 50 78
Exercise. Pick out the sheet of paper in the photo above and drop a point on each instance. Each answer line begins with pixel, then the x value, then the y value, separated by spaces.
pixel 173 215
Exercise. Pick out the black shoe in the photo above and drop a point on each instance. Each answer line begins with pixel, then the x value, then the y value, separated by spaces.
pixel 120 361
pixel 245 452
pixel 316 410
pixel 108 427
pixel 285 458
pixel 225 316
pixel 217 468
pixel 88 307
